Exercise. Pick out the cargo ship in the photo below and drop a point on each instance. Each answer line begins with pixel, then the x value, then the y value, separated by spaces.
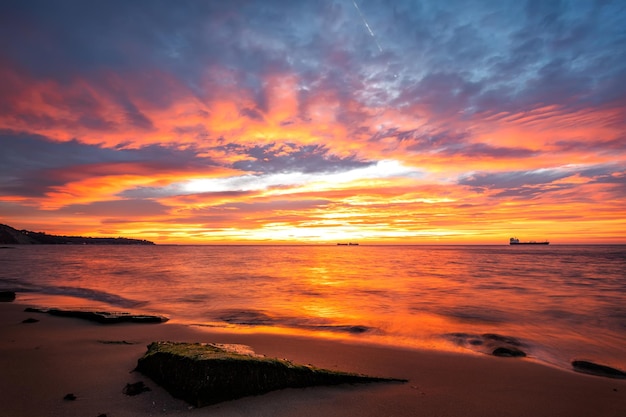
pixel 515 241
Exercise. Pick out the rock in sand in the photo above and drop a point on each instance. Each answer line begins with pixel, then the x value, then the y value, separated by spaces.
pixel 7 296
pixel 104 317
pixel 204 374
pixel 135 388
pixel 598 370
pixel 508 352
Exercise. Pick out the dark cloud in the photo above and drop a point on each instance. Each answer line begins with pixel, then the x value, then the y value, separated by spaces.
pixel 452 56
pixel 513 179
pixel 608 146
pixel 450 143
pixel 69 36
pixel 252 114
pixel 513 54
pixel 31 165
pixel 21 152
pixel 290 157
pixel 420 140
pixel 443 93
pixel 480 150
pixel 529 184
pixel 531 192
pixel 124 209
pixel 136 117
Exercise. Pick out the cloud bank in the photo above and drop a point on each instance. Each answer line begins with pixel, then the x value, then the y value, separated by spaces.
pixel 253 121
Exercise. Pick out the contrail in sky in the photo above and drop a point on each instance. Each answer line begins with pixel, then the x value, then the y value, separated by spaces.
pixel 369 29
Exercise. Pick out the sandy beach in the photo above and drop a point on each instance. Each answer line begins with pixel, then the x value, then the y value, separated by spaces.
pixel 42 362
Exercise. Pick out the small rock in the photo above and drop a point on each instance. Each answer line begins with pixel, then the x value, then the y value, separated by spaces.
pixel 69 397
pixel 357 329
pixel 115 342
pixel 508 352
pixel 490 343
pixel 598 370
pixel 135 388
pixel 7 296
pixel 30 320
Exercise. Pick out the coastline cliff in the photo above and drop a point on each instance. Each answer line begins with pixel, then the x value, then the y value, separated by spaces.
pixel 11 236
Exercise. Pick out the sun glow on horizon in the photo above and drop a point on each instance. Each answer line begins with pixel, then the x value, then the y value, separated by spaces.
pixel 381 169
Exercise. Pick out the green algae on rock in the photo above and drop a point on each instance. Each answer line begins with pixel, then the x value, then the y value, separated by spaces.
pixel 204 374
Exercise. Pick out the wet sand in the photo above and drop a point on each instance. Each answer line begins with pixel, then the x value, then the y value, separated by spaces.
pixel 41 362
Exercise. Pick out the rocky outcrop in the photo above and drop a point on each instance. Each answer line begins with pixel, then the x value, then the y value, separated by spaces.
pixel 104 317
pixel 598 370
pixel 7 296
pixel 204 374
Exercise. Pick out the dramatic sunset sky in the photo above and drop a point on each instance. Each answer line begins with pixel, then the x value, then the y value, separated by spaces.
pixel 321 121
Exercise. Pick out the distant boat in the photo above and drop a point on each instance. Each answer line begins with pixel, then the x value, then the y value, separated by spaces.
pixel 515 241
pixel 347 244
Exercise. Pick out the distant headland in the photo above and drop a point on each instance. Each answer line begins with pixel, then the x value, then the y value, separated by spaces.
pixel 11 236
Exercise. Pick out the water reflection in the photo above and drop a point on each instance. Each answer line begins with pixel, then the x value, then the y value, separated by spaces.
pixel 562 301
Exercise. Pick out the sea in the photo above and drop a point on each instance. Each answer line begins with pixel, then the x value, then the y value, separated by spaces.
pixel 556 303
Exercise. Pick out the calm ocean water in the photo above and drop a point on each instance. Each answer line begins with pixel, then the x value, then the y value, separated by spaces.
pixel 561 302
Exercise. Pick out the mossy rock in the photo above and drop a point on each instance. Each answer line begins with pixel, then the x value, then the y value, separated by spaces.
pixel 204 374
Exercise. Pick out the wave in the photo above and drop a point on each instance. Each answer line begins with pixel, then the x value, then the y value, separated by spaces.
pixel 262 318
pixel 486 343
pixel 78 292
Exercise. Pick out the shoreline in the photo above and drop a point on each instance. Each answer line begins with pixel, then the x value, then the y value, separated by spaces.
pixel 472 343
pixel 41 362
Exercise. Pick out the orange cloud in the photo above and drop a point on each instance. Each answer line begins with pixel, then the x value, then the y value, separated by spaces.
pixel 421 199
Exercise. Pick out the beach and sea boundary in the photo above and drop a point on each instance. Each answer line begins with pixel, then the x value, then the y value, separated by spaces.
pixel 44 361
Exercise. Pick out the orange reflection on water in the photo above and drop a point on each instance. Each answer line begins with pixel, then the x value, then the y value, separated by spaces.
pixel 559 301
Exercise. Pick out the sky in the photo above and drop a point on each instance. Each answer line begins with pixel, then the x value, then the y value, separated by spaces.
pixel 318 121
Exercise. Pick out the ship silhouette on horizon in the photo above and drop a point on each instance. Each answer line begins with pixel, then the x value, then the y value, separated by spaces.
pixel 516 241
